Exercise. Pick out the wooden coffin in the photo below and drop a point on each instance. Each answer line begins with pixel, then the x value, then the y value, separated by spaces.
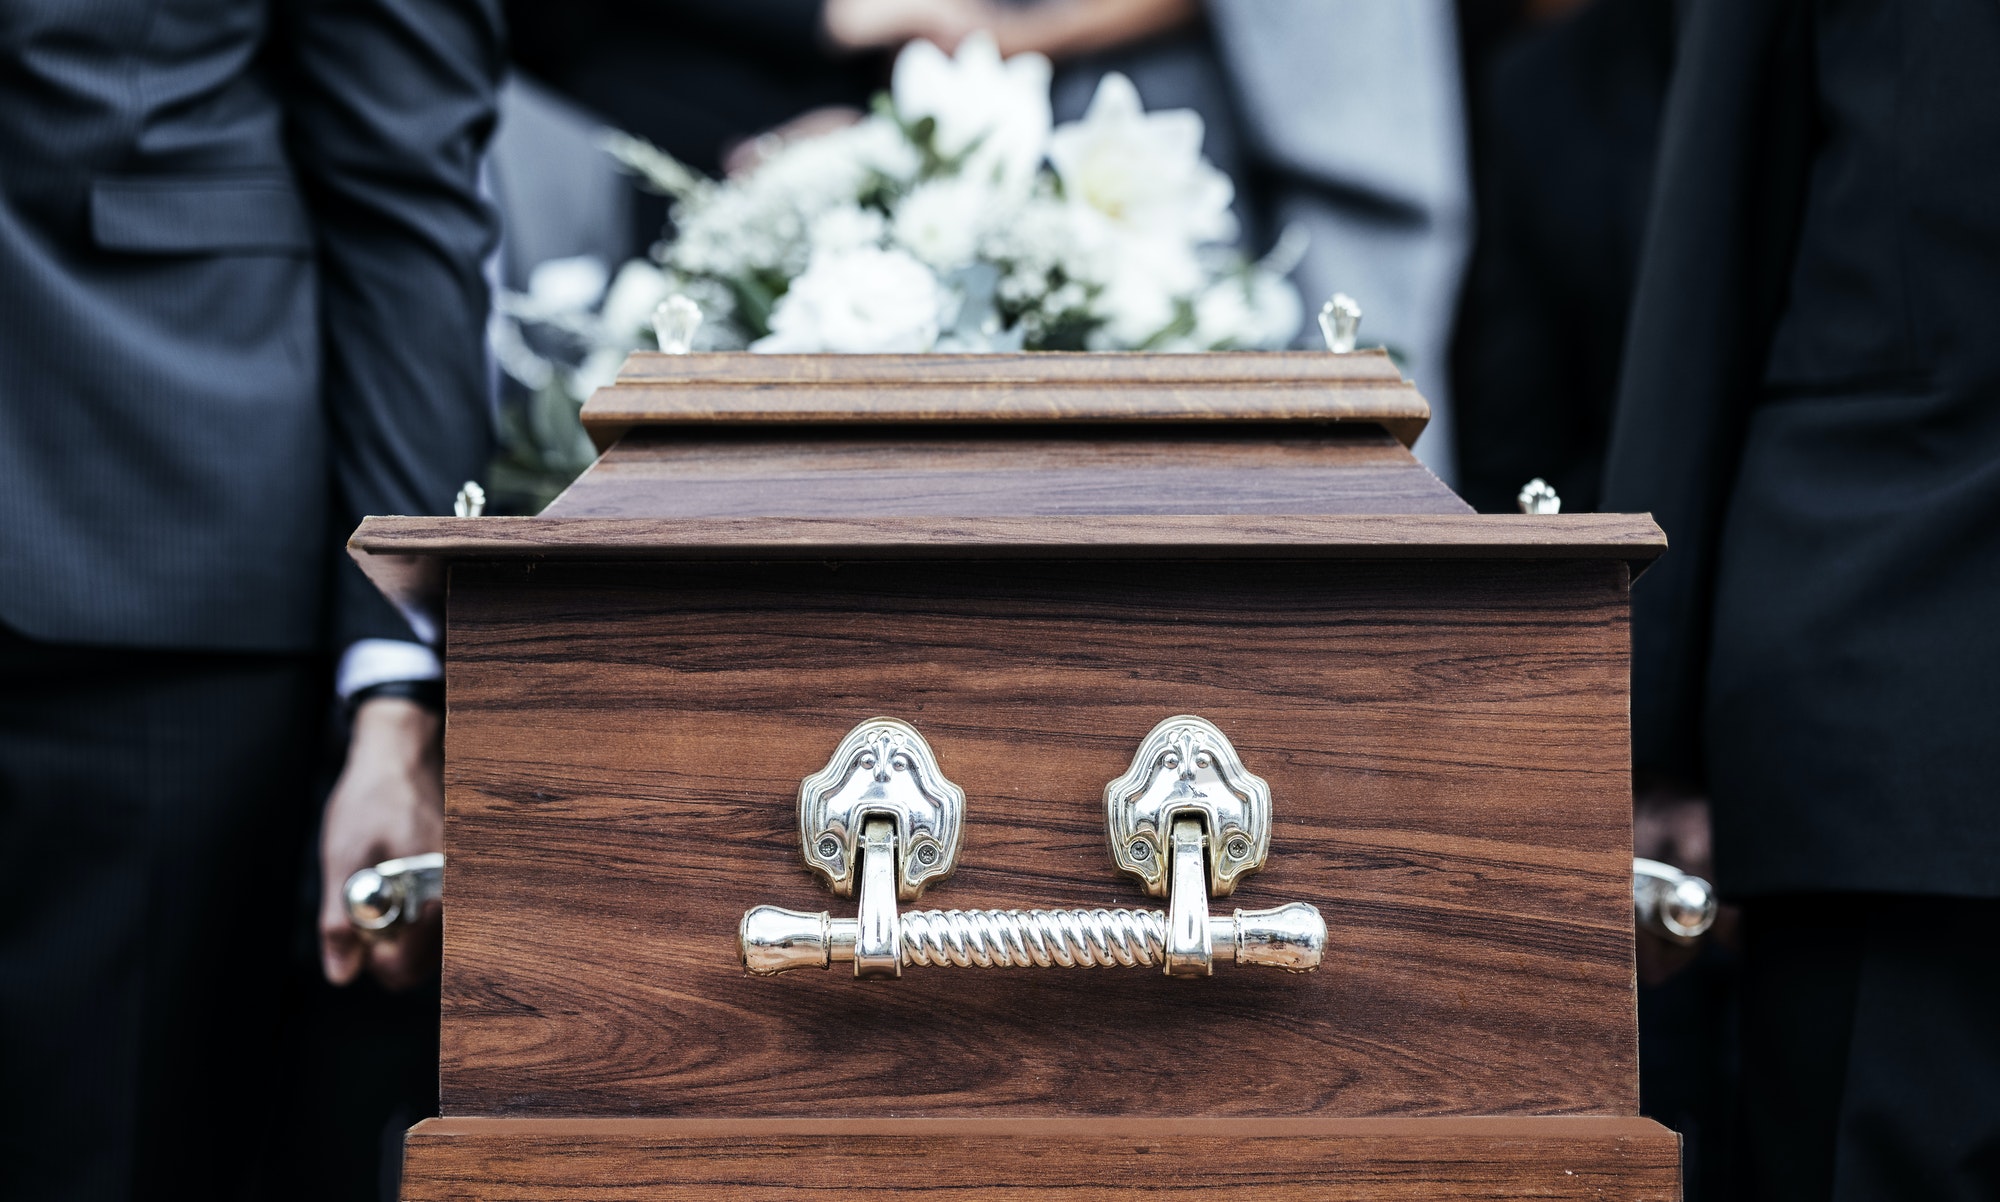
pixel 1032 560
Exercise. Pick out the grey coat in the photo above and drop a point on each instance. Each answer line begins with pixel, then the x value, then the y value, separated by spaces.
pixel 1354 122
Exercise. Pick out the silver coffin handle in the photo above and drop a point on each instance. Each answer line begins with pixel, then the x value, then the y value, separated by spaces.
pixel 1670 903
pixel 394 891
pixel 882 940
pixel 881 820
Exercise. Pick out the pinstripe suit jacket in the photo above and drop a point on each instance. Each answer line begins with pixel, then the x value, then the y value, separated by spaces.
pixel 241 306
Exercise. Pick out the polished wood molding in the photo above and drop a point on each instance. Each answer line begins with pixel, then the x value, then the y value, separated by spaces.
pixel 1221 369
pixel 1630 537
pixel 1252 386
pixel 1025 1160
pixel 405 556
pixel 1024 471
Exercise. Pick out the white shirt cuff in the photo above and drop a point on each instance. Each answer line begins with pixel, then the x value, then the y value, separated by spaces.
pixel 379 661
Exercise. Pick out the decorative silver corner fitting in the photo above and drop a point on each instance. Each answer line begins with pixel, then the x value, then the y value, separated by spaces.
pixel 1340 323
pixel 1537 497
pixel 1187 819
pixel 675 321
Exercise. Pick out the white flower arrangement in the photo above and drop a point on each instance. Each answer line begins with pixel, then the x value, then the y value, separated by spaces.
pixel 955 217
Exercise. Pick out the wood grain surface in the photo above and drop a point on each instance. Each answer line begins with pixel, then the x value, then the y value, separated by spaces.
pixel 1269 1160
pixel 1445 741
pixel 738 389
pixel 927 471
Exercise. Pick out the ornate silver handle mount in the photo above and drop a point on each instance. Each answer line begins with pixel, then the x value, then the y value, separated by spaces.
pixel 1187 819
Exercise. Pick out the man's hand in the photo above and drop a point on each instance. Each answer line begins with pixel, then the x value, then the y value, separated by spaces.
pixel 887 24
pixel 388 802
pixel 1672 826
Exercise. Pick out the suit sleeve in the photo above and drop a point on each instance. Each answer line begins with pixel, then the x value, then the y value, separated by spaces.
pixel 1511 358
pixel 1719 241
pixel 389 106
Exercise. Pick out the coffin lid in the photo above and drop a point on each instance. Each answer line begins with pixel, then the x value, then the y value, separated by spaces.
pixel 1288 455
pixel 656 390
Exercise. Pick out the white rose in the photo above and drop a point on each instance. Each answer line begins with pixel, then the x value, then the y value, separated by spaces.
pixel 1142 172
pixel 998 111
pixel 879 145
pixel 1037 237
pixel 1256 311
pixel 845 228
pixel 865 300
pixel 941 222
pixel 1137 300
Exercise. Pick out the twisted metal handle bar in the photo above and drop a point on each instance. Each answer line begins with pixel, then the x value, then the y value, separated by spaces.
pixel 1037 938
pixel 774 939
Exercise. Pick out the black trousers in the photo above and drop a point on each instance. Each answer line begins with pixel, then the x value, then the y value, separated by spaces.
pixel 155 813
pixel 1871 1050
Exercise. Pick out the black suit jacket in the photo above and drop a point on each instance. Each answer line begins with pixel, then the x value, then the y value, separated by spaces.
pixel 1810 405
pixel 1564 122
pixel 241 306
pixel 691 76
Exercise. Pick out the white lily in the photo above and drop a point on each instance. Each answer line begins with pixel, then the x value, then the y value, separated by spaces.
pixel 998 110
pixel 1142 172
pixel 1259 308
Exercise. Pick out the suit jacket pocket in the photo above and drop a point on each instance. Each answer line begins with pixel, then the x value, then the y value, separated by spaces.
pixel 192 215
